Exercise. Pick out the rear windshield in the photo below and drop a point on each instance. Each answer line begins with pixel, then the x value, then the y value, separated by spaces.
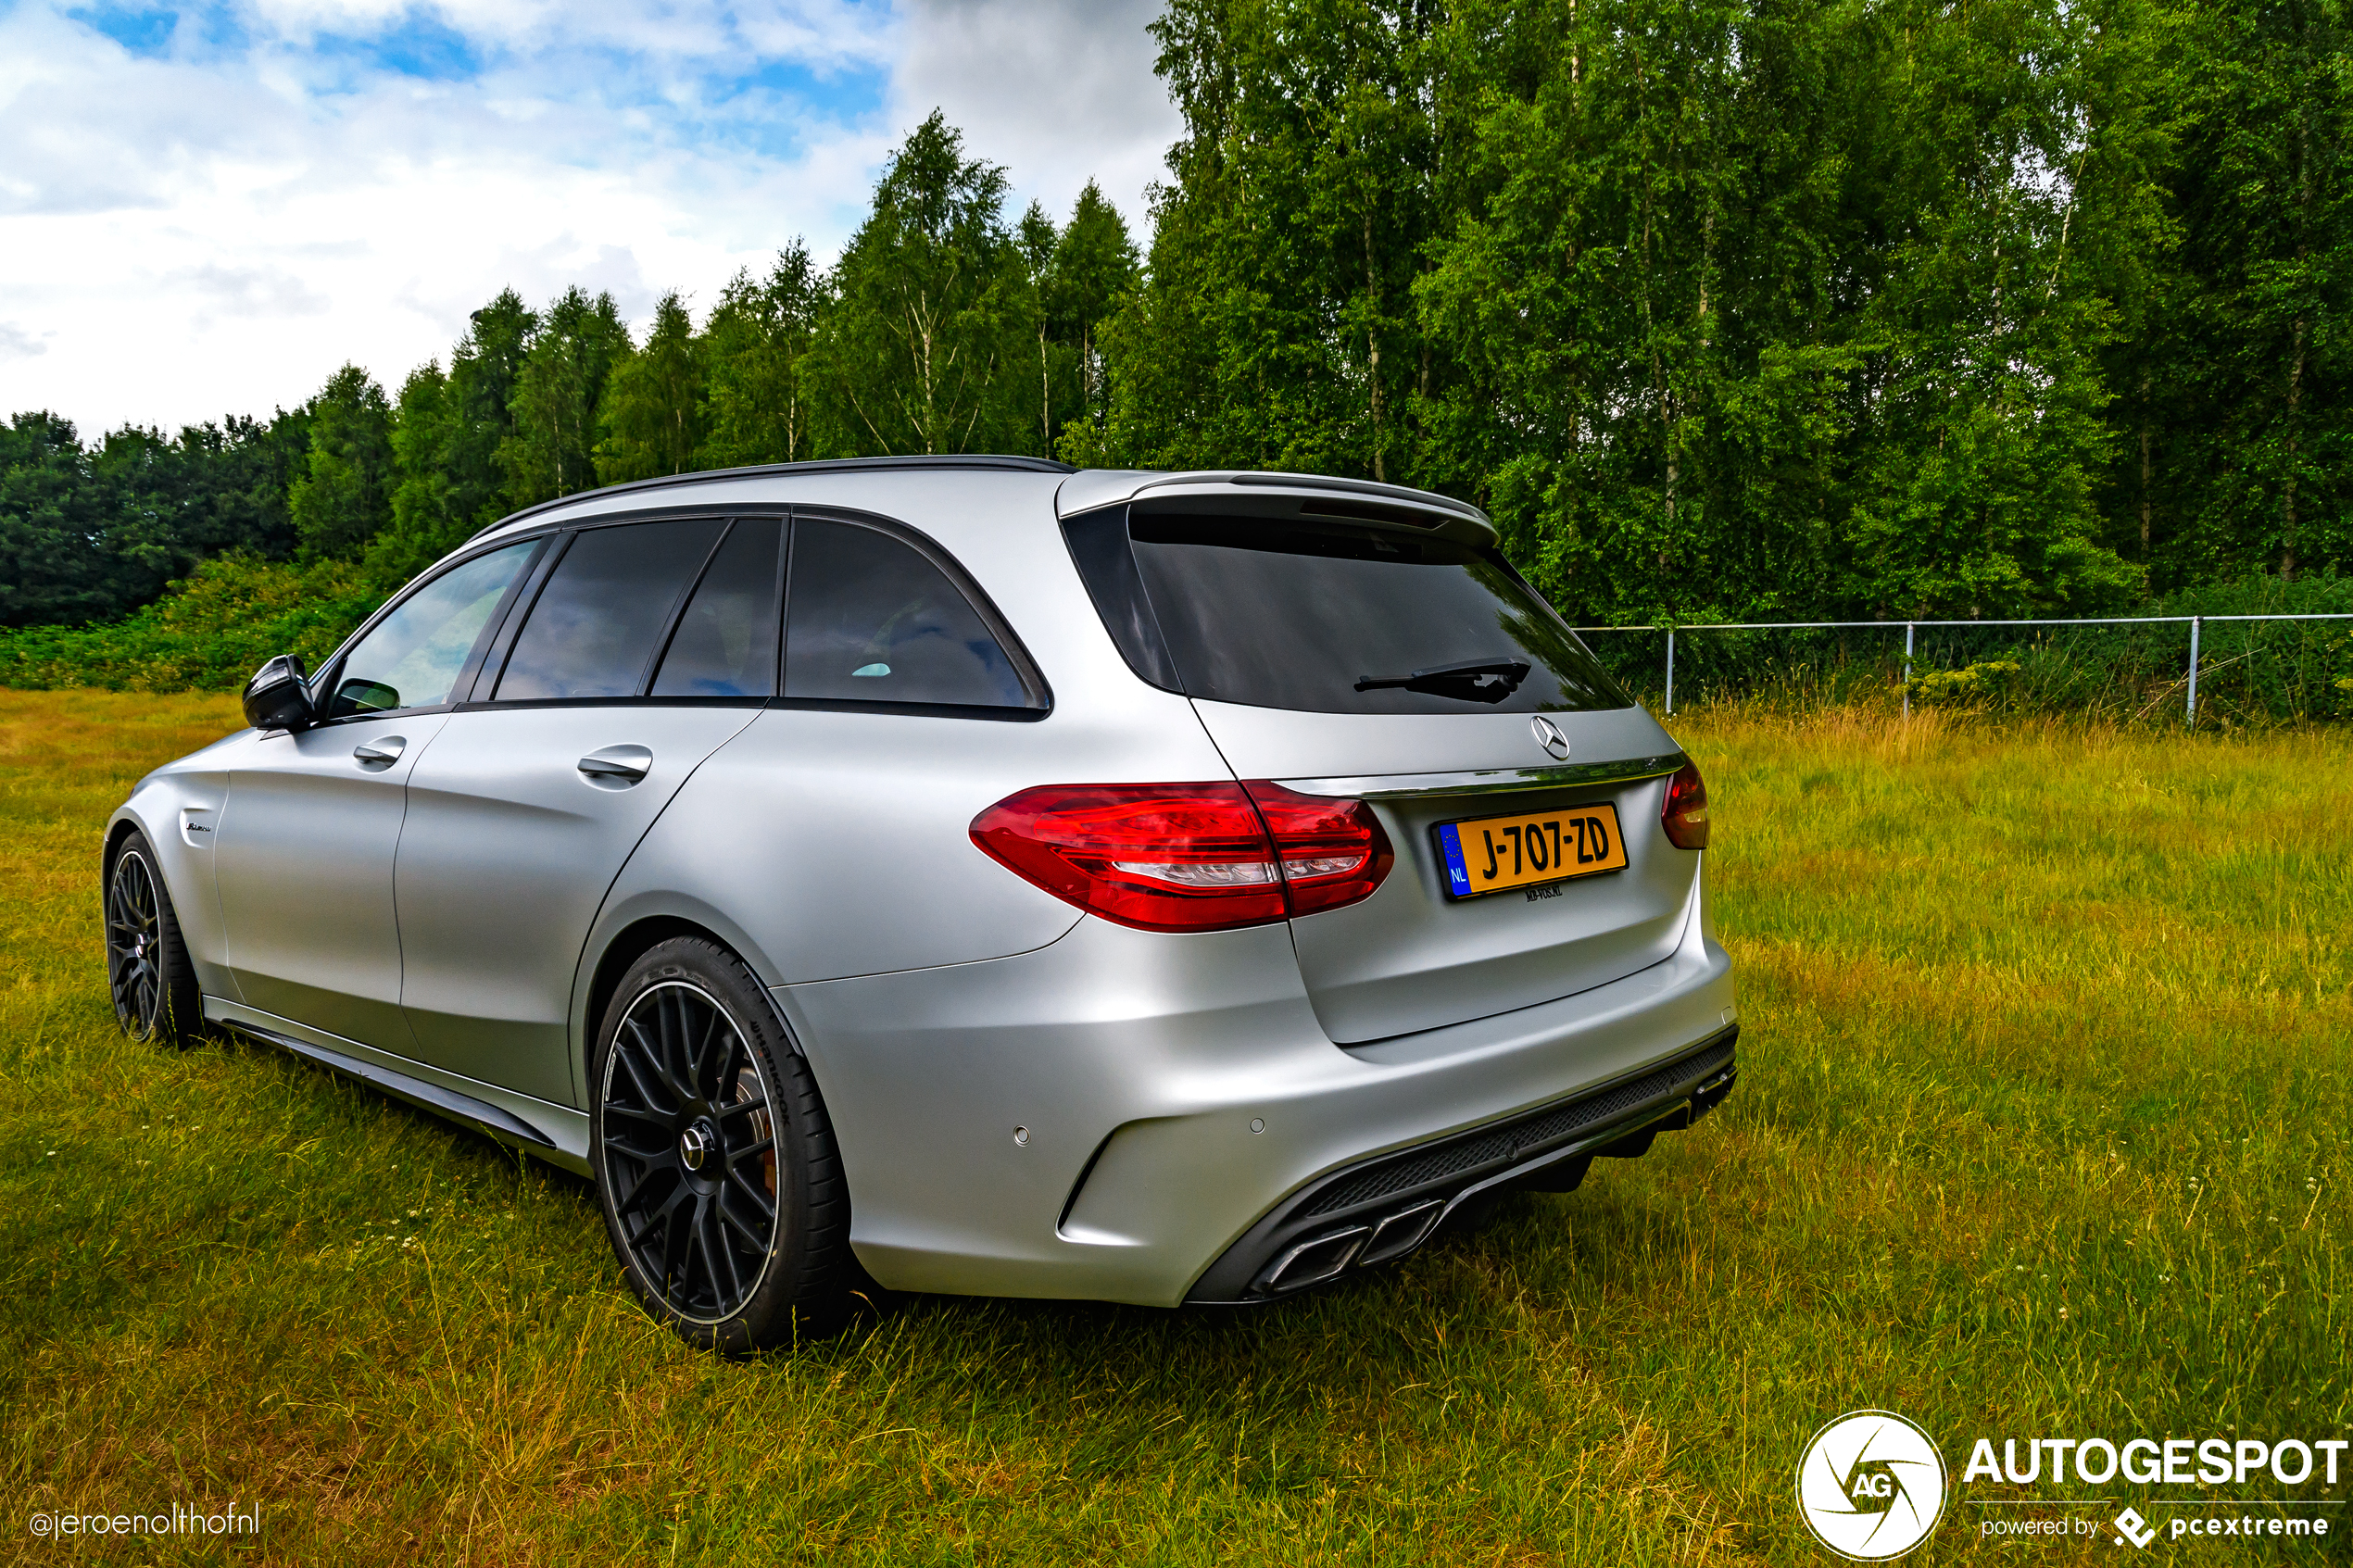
pixel 1277 613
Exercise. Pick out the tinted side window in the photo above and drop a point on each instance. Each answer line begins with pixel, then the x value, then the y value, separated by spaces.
pixel 725 644
pixel 414 655
pixel 593 630
pixel 871 619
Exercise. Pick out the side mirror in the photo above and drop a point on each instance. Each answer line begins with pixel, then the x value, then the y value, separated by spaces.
pixel 278 697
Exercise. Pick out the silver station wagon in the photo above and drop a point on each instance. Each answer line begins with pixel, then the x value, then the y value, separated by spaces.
pixel 963 874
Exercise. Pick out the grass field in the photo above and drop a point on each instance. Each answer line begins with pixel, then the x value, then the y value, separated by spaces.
pixel 2041 1131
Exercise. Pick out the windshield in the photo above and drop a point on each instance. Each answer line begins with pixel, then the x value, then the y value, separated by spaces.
pixel 1333 618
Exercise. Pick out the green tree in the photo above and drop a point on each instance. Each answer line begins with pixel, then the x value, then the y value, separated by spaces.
pixel 485 368
pixel 232 481
pixel 756 346
pixel 344 494
pixel 1717 306
pixel 446 438
pixel 653 414
pixel 2236 449
pixel 94 533
pixel 919 348
pixel 1036 239
pixel 1278 326
pixel 551 449
pixel 1095 267
pixel 47 570
pixel 426 520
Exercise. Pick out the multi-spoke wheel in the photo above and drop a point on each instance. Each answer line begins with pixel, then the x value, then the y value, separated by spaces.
pixel 714 1158
pixel 148 969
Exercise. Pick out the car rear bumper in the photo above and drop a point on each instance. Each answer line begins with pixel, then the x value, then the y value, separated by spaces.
pixel 1135 1117
pixel 1377 1211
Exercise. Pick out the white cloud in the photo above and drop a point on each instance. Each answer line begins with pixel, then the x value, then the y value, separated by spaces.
pixel 1057 91
pixel 248 291
pixel 17 344
pixel 213 220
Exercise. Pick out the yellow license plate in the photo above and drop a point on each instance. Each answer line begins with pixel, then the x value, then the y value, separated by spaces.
pixel 1492 854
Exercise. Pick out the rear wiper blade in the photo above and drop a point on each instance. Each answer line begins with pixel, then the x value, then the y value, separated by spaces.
pixel 1477 679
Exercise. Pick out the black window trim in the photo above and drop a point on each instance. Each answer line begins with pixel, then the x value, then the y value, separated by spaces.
pixel 487 663
pixel 679 607
pixel 515 704
pixel 494 660
pixel 322 686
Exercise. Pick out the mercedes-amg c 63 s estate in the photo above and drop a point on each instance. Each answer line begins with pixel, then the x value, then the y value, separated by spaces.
pixel 968 875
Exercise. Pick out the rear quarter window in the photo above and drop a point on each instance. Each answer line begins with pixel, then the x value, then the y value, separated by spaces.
pixel 868 619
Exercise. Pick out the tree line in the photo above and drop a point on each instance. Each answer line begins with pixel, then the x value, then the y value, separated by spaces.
pixel 944 326
pixel 1723 308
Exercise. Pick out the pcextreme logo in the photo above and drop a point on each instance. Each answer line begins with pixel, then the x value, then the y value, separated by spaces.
pixel 1870 1486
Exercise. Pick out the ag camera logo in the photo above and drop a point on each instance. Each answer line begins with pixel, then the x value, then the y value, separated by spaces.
pixel 1870 1486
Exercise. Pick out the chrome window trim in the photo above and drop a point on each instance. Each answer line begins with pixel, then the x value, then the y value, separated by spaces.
pixel 1491 781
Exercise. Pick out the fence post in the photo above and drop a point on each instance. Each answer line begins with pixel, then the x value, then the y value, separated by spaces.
pixel 2193 709
pixel 1907 669
pixel 1670 671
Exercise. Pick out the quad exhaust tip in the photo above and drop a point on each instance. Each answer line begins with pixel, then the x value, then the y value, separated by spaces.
pixel 1312 1262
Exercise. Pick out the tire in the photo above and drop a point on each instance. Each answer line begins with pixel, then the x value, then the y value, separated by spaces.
pixel 148 969
pixel 714 1162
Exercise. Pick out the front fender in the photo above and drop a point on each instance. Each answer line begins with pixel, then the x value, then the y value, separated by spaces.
pixel 179 813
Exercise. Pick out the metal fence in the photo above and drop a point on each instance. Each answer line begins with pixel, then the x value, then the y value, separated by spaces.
pixel 2196 624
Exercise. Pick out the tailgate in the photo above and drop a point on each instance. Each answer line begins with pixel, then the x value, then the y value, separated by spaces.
pixel 1411 957
pixel 1389 652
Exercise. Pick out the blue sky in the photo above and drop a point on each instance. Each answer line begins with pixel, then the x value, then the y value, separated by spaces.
pixel 206 209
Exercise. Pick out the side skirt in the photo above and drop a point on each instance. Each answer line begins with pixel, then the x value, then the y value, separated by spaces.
pixel 557 1134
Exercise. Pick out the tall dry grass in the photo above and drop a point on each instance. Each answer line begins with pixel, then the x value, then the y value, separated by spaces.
pixel 2041 1131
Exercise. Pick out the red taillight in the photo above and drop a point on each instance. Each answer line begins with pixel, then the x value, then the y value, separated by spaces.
pixel 1333 851
pixel 1193 857
pixel 1685 814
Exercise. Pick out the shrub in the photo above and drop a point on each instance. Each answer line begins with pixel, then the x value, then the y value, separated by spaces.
pixel 209 632
pixel 1969 686
pixel 2248 671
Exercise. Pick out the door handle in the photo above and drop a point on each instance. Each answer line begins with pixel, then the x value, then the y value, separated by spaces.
pixel 381 752
pixel 617 765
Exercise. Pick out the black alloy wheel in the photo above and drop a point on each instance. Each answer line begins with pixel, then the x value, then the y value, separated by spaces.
pixel 715 1166
pixel 148 967
pixel 690 1141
